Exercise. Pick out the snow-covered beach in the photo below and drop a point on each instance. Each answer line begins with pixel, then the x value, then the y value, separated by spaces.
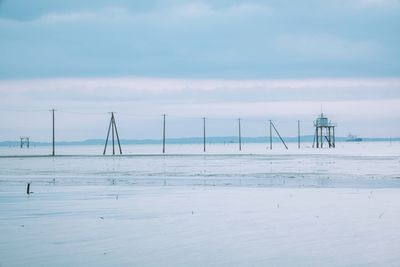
pixel 265 208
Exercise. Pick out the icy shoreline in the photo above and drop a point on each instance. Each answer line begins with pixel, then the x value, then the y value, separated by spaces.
pixel 351 169
pixel 198 226
pixel 298 208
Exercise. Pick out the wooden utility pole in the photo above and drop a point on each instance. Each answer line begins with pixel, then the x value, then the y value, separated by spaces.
pixel 240 136
pixel 270 134
pixel 114 132
pixel 54 137
pixel 204 134
pixel 298 134
pixel 163 150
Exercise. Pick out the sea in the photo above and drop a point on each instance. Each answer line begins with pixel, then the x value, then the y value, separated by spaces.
pixel 223 207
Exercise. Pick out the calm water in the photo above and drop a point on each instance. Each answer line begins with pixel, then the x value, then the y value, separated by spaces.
pixel 348 165
pixel 308 207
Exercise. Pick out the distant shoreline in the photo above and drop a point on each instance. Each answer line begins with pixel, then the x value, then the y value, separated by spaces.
pixel 192 140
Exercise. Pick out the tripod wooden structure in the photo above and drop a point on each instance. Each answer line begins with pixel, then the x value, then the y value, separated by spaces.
pixel 114 132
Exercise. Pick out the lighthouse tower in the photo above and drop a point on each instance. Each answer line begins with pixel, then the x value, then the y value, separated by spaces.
pixel 324 132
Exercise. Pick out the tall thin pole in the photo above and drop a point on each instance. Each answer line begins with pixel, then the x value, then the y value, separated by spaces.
pixel 204 134
pixel 112 131
pixel 54 138
pixel 329 136
pixel 116 133
pixel 240 136
pixel 163 150
pixel 270 134
pixel 315 135
pixel 298 134
pixel 108 134
pixel 322 138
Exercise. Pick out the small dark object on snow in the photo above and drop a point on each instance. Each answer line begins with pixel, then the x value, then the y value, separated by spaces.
pixel 27 188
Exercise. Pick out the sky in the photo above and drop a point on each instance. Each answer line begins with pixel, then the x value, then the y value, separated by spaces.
pixel 258 60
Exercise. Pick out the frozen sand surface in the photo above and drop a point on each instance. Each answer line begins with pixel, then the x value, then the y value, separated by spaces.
pixel 303 207
pixel 349 165
pixel 342 148
pixel 198 226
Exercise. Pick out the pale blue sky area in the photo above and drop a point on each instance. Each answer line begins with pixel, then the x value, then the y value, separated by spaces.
pixel 199 39
pixel 257 60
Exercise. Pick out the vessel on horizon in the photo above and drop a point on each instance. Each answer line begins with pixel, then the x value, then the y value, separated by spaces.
pixel 353 138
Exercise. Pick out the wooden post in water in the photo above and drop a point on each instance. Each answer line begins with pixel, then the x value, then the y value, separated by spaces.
pixel 114 132
pixel 54 138
pixel 28 188
pixel 204 134
pixel 108 134
pixel 298 134
pixel 270 134
pixel 163 150
pixel 240 136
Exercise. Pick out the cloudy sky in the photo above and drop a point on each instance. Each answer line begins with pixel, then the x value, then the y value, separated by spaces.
pixel 259 60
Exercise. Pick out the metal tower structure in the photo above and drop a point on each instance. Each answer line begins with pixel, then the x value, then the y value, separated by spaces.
pixel 24 142
pixel 324 130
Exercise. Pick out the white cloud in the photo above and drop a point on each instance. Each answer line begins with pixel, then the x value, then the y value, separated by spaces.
pixel 369 104
pixel 154 94
pixel 326 46
pixel 162 84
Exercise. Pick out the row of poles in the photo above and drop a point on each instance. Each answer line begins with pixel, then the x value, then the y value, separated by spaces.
pixel 272 126
pixel 112 128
